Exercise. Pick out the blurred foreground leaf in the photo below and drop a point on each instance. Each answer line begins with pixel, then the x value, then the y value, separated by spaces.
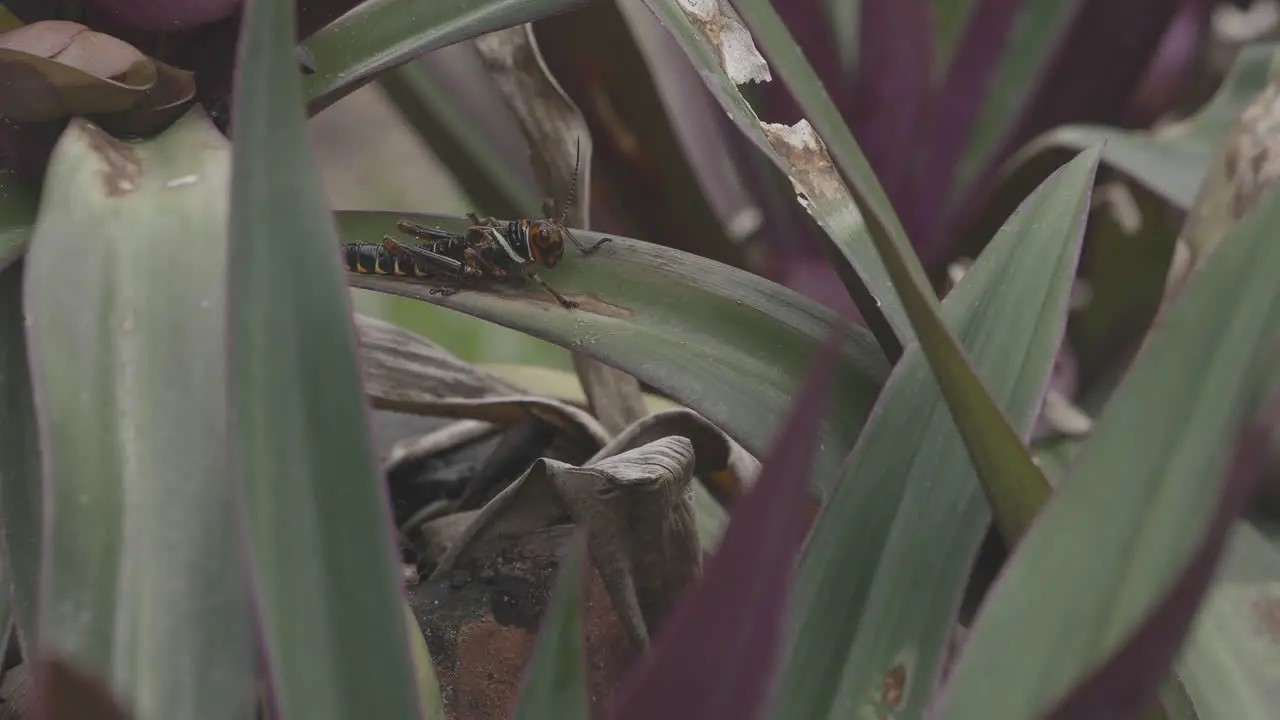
pixel 1142 498
pixel 890 556
pixel 715 654
pixel 726 343
pixel 555 682
pixel 316 516
pixel 128 364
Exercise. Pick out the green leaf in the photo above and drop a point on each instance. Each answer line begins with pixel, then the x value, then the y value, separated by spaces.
pixel 142 578
pixel 555 683
pixel 1171 162
pixel 380 34
pixel 316 518
pixel 730 345
pixel 1141 493
pixel 1015 487
pixel 890 556
pixel 20 499
pixel 798 154
pixel 1227 665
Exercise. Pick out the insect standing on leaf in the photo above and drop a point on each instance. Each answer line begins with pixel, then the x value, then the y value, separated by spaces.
pixel 490 248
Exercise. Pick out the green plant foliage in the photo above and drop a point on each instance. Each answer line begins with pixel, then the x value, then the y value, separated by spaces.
pixel 380 34
pixel 128 368
pixel 1140 495
pixel 315 515
pixel 729 344
pixel 1015 486
pixel 889 559
pixel 1172 161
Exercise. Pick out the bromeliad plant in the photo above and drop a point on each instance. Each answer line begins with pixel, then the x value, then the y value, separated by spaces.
pixel 193 523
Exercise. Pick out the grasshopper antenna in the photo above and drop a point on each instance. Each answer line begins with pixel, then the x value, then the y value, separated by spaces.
pixel 573 184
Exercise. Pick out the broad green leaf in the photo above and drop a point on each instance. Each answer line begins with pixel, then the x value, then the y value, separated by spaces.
pixel 1015 487
pixel 885 568
pixel 555 682
pixel 316 521
pixel 1171 161
pixel 1228 665
pixel 380 34
pixel 728 344
pixel 799 154
pixel 20 484
pixel 142 578
pixel 1140 494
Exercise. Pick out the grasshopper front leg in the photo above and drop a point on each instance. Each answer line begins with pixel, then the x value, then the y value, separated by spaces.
pixel 565 302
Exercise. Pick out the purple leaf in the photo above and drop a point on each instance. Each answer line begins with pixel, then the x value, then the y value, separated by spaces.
pixel 953 112
pixel 895 76
pixel 1126 683
pixel 1098 64
pixel 1172 64
pixel 715 657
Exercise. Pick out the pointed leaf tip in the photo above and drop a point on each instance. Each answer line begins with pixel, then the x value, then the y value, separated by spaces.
pixel 716 656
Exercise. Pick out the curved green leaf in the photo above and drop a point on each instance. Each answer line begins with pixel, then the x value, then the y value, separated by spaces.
pixel 730 345
pixel 380 34
pixel 1141 494
pixel 142 580
pixel 316 518
pixel 1015 486
pixel 1171 162
pixel 555 683
pixel 890 557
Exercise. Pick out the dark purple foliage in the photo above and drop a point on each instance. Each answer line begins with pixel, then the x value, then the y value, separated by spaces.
pixel 895 73
pixel 1119 63
pixel 953 114
pixel 1128 682
pixel 1099 63
pixel 714 658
